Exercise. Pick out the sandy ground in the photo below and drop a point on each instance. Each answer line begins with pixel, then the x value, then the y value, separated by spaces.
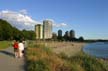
pixel 69 48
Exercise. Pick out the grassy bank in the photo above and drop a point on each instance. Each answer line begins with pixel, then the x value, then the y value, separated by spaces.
pixel 41 58
pixel 4 44
pixel 83 62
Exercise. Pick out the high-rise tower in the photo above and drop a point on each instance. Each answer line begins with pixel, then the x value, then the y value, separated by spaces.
pixel 47 29
pixel 39 31
pixel 72 34
pixel 59 33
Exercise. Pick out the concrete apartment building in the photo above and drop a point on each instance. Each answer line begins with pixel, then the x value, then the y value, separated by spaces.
pixel 47 29
pixel 72 34
pixel 39 31
pixel 44 31
pixel 60 33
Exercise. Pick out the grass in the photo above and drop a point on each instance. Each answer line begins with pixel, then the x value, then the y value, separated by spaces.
pixel 4 44
pixel 41 58
pixel 105 63
pixel 84 62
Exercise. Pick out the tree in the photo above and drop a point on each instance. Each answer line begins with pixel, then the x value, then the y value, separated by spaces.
pixel 28 34
pixel 81 38
pixel 5 30
pixel 54 36
pixel 8 32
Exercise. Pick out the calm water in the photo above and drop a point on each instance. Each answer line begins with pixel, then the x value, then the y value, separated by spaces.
pixel 98 49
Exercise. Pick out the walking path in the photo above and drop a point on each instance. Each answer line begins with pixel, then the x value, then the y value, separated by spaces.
pixel 9 63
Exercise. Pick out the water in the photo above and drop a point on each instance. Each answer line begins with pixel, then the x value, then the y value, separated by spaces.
pixel 98 49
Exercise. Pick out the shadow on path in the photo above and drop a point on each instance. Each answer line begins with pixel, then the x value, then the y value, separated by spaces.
pixel 8 62
pixel 7 53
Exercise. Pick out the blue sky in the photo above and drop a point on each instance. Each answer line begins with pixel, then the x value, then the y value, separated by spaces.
pixel 89 18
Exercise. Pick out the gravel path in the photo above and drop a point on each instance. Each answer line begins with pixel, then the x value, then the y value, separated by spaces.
pixel 9 63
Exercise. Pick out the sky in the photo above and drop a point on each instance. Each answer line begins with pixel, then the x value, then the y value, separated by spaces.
pixel 88 18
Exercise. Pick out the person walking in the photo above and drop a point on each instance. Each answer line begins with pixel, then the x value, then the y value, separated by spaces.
pixel 16 50
pixel 25 46
pixel 21 48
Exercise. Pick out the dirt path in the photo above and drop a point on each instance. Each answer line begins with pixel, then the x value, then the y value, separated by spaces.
pixel 9 63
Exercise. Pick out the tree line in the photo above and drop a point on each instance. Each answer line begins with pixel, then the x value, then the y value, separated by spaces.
pixel 8 32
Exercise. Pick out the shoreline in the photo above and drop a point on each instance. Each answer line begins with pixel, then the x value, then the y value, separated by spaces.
pixel 70 48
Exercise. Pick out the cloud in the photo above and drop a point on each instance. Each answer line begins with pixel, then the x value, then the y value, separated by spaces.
pixel 60 25
pixel 23 11
pixel 18 19
pixel 21 20
pixel 57 25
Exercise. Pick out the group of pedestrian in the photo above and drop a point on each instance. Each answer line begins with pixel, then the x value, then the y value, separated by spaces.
pixel 19 48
